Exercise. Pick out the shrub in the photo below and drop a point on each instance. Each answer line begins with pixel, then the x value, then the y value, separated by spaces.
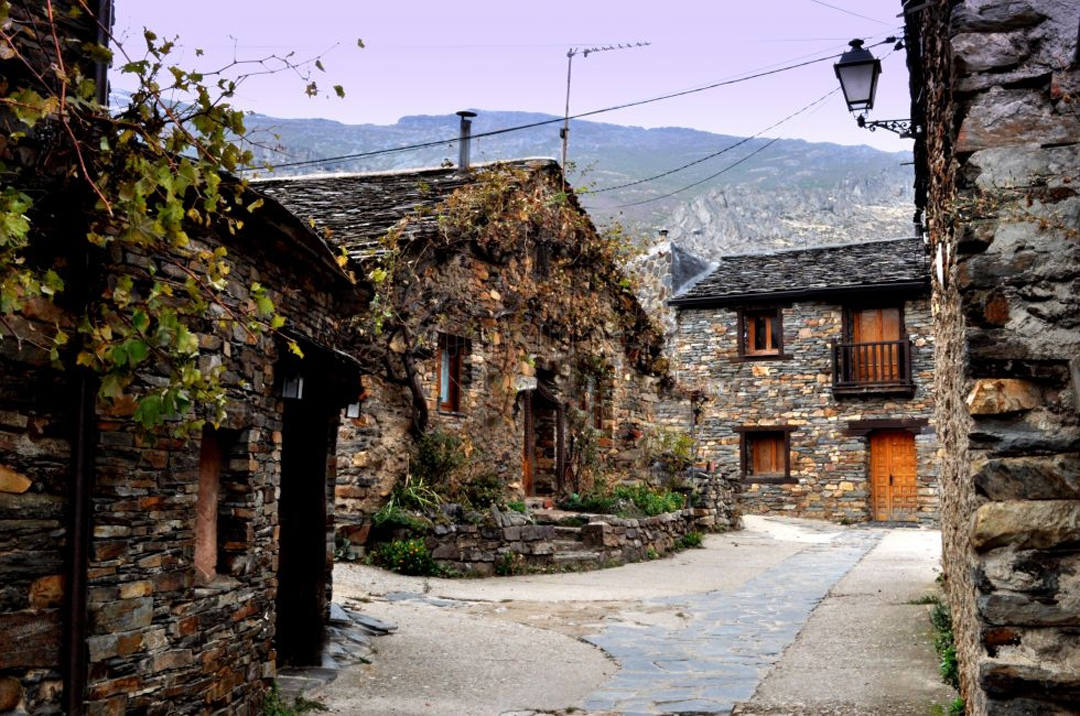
pixel 672 449
pixel 945 644
pixel 517 506
pixel 276 705
pixel 436 456
pixel 957 707
pixel 649 500
pixel 409 556
pixel 691 540
pixel 509 564
pixel 482 491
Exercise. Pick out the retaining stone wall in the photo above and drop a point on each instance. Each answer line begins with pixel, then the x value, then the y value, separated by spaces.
pixel 606 540
pixel 997 84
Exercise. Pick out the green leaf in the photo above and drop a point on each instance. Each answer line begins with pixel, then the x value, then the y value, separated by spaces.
pixel 137 351
pixel 149 411
pixel 340 91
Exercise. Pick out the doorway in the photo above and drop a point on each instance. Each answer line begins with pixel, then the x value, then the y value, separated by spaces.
pixel 893 476
pixel 301 595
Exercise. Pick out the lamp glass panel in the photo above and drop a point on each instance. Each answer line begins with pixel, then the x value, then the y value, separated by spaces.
pixel 858 83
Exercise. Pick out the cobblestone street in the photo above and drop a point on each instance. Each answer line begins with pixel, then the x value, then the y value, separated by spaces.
pixel 786 616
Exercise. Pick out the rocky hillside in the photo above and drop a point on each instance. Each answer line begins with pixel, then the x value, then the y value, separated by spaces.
pixel 791 194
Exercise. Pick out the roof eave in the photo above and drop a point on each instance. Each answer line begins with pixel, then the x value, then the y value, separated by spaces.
pixel 906 288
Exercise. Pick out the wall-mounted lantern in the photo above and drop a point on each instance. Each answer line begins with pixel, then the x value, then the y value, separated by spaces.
pixel 352 410
pixel 292 387
pixel 858 71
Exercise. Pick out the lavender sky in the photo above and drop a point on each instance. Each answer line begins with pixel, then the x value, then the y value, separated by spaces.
pixel 427 57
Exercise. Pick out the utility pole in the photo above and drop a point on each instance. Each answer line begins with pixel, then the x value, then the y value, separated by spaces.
pixel 564 133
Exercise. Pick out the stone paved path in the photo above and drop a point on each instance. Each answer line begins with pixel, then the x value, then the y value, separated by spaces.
pixel 785 617
pixel 729 641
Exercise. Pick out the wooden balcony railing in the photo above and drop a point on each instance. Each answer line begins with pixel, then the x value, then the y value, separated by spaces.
pixel 878 367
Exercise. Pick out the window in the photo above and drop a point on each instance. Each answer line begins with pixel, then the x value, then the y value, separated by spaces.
pixel 766 454
pixel 451 350
pixel 593 402
pixel 211 461
pixel 761 332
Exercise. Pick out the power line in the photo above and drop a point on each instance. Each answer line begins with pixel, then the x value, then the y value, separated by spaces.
pixel 554 120
pixel 850 12
pixel 729 167
pixel 726 149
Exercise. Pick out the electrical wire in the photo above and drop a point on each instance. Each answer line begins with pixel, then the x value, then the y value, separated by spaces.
pixel 729 167
pixel 555 120
pixel 726 149
pixel 850 12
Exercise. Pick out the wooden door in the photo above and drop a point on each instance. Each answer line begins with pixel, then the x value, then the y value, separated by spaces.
pixel 875 332
pixel 529 444
pixel 893 484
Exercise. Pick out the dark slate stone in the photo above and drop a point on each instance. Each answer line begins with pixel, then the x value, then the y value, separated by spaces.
pixel 358 209
pixel 849 266
pixel 685 268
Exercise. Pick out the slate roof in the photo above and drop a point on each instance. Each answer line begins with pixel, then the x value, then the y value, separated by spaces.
pixel 358 209
pixel 873 265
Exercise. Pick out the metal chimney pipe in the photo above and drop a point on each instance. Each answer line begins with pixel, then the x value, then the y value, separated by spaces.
pixel 464 138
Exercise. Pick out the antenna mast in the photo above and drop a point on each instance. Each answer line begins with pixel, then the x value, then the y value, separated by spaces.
pixel 564 133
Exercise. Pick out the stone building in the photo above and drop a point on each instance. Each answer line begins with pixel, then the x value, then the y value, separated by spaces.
pixel 995 87
pixel 537 352
pixel 817 367
pixel 141 572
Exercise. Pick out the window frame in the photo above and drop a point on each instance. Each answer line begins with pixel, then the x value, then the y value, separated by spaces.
pixel 746 434
pixel 455 348
pixel 743 330
pixel 850 309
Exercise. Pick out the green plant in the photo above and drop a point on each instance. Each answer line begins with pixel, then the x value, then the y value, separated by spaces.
pixel 651 554
pixel 691 540
pixel 83 181
pixel 925 599
pixel 413 493
pixel 517 506
pixel 945 644
pixel 509 564
pixel 276 705
pixel 482 491
pixel 392 515
pixel 436 457
pixel 650 500
pixel 408 556
pixel 672 449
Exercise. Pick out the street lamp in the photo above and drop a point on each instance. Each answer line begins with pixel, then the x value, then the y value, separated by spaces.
pixel 858 70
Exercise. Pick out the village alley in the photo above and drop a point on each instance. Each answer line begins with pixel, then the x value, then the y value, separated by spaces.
pixel 785 616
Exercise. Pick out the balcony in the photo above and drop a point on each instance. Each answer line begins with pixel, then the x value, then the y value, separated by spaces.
pixel 881 367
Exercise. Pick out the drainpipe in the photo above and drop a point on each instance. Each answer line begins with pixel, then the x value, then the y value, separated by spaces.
pixel 464 138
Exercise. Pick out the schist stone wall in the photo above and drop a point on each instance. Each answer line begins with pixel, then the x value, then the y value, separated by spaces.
pixel 502 363
pixel 157 639
pixel 996 86
pixel 829 476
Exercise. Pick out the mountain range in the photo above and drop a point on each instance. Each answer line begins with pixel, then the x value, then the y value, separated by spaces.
pixel 766 195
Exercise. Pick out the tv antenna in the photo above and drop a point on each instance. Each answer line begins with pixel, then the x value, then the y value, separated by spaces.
pixel 564 133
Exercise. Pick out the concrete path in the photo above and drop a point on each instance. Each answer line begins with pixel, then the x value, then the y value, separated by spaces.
pixel 699 632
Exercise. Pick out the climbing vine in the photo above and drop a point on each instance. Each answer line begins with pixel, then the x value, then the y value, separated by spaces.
pixel 132 189
pixel 558 279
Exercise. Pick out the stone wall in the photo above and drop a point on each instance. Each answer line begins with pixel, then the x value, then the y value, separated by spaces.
pixel 829 463
pixel 155 639
pixel 995 87
pixel 513 543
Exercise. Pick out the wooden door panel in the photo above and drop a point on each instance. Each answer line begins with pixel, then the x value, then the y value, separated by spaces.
pixel 893 476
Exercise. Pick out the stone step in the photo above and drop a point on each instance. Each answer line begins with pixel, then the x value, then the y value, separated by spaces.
pixel 578 556
pixel 566 545
pixel 567 532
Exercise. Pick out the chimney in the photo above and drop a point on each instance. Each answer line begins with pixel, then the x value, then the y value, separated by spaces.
pixel 464 138
pixel 663 234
